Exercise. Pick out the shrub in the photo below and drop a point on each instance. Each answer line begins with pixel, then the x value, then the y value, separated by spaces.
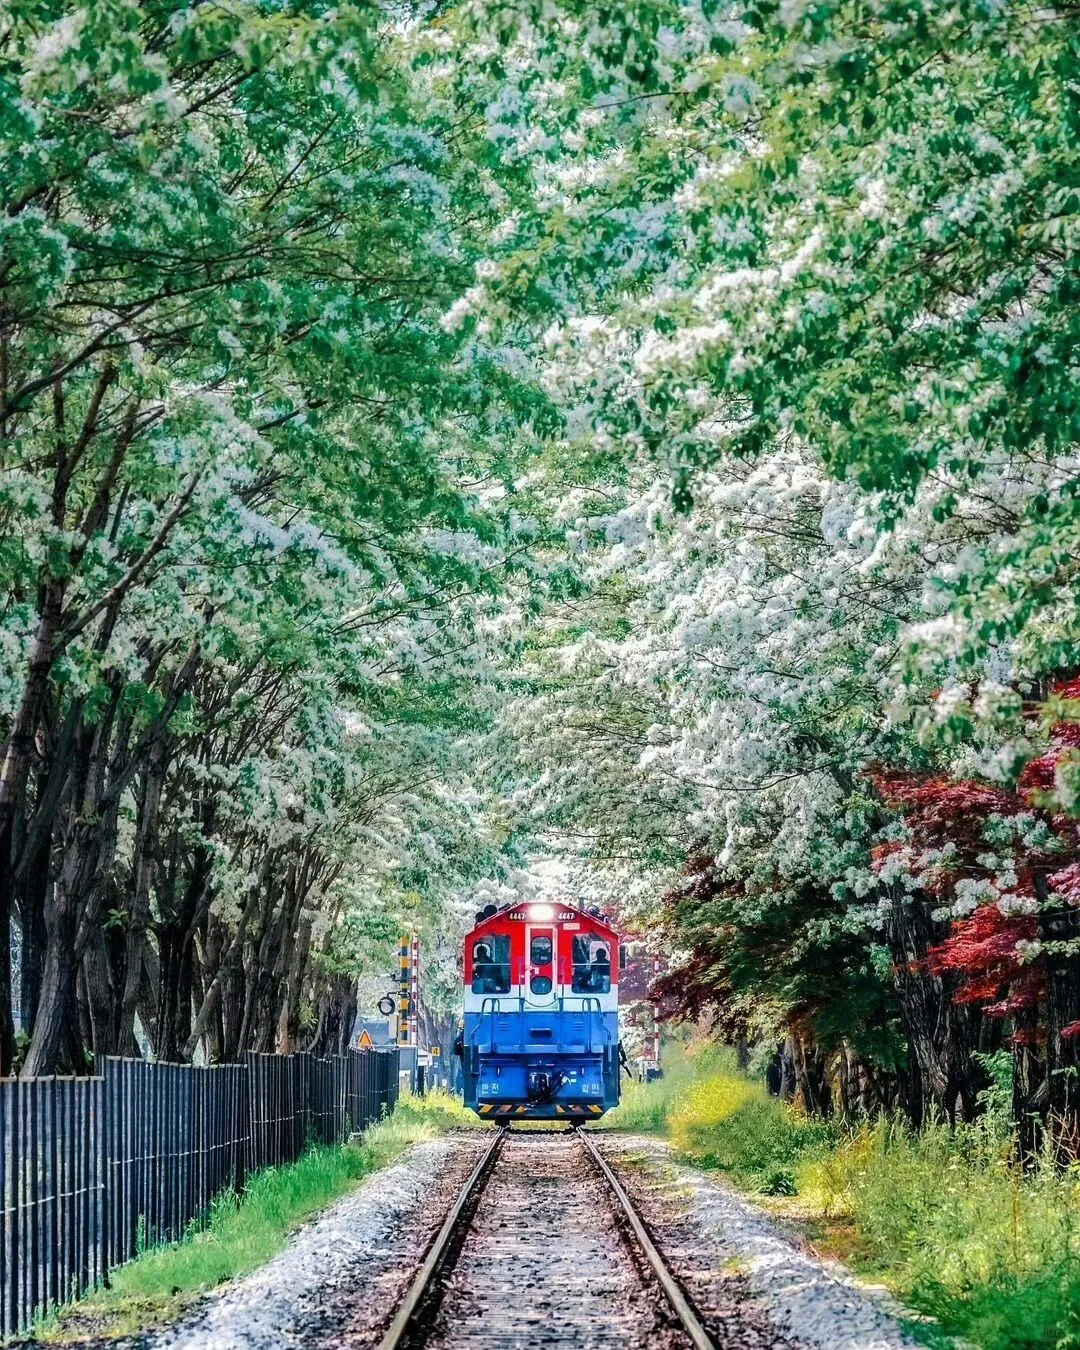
pixel 645 1107
pixel 733 1125
pixel 718 1118
pixel 778 1181
pixel 945 1217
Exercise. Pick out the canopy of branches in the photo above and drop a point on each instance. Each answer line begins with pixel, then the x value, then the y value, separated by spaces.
pixel 643 435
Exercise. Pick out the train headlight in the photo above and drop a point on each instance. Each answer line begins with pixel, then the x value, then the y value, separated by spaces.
pixel 541 912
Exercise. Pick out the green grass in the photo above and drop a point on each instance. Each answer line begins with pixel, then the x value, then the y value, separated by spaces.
pixel 719 1119
pixel 945 1218
pixel 964 1235
pixel 245 1231
pixel 645 1107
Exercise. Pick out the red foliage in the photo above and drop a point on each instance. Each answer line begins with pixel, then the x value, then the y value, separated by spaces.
pixel 981 944
pixel 937 807
pixel 982 947
pixel 1065 882
pixel 1038 776
pixel 698 987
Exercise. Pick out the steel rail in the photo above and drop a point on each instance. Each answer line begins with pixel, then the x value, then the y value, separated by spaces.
pixel 674 1294
pixel 397 1330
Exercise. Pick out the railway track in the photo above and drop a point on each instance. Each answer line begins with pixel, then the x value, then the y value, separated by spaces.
pixel 543 1246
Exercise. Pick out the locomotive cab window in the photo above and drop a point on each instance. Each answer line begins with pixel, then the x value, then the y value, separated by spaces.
pixel 540 951
pixel 541 955
pixel 491 966
pixel 591 966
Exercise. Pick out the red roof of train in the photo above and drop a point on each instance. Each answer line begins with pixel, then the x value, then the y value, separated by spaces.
pixel 542 911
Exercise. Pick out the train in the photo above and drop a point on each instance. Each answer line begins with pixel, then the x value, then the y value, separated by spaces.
pixel 540 1035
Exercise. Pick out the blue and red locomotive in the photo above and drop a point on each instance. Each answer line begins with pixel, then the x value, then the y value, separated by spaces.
pixel 541 1033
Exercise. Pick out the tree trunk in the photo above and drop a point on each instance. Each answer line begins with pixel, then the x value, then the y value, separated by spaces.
pixel 275 961
pixel 787 1071
pixel 941 1034
pixel 337 1016
pixel 57 988
pixel 146 840
pixel 850 1082
pixel 14 768
pixel 1029 1089
pixel 439 1029
pixel 811 1075
pixel 296 983
pixel 32 907
pixel 318 1035
pixel 58 975
pixel 774 1072
pixel 79 874
pixel 221 989
pixel 1059 929
pixel 16 759
pixel 82 1006
pixel 257 963
pixel 209 951
pixel 7 1024
pixel 173 957
pixel 176 951
pixel 101 992
pixel 233 1003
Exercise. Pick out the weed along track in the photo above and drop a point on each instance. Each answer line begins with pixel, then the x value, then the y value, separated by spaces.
pixel 543 1247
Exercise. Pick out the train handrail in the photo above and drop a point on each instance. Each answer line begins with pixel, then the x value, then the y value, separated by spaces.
pixel 491 1011
pixel 492 1004
pixel 586 1002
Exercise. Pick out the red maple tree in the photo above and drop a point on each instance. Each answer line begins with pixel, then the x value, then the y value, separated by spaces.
pixel 947 818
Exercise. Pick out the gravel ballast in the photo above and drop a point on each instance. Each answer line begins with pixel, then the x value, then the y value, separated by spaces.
pixel 340 1275
pixel 810 1301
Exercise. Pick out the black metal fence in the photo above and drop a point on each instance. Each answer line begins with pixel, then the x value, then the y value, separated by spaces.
pixel 93 1168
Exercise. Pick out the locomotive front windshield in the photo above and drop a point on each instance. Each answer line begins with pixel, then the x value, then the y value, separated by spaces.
pixel 491 966
pixel 540 951
pixel 591 966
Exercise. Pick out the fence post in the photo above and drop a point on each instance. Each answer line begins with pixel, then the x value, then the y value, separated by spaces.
pixel 8 1250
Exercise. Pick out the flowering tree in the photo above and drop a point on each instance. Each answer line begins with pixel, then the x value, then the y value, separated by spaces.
pixel 838 244
pixel 1002 869
pixel 643 437
pixel 241 567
